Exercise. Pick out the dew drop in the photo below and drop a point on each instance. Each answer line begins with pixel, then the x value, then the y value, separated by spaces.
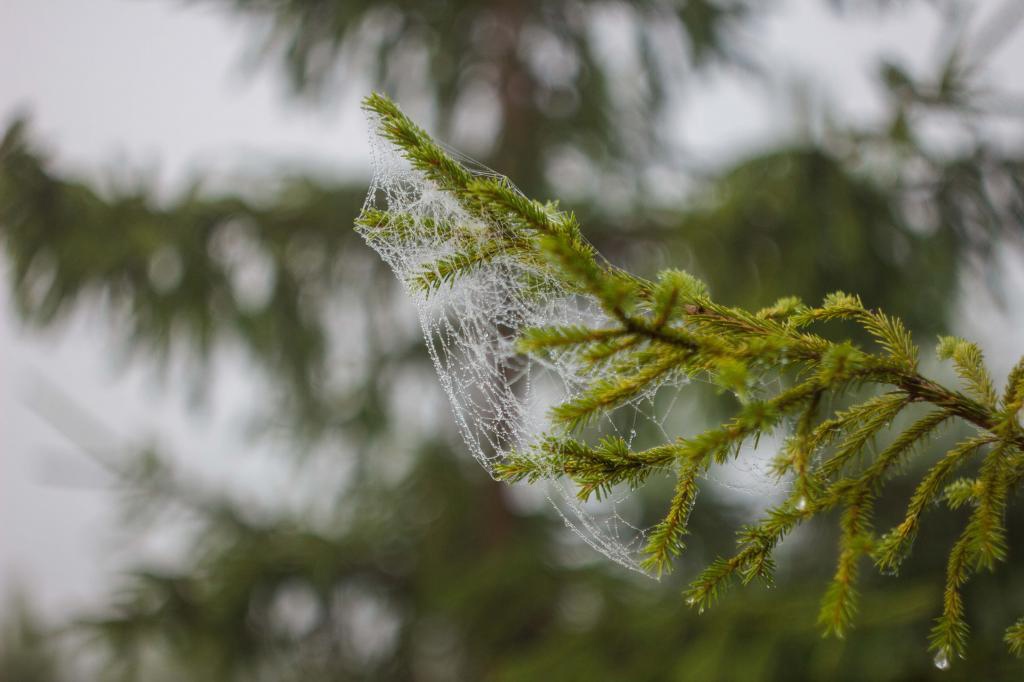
pixel 690 601
pixel 801 504
pixel 942 660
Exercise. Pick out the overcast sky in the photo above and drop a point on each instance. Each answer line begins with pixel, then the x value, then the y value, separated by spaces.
pixel 120 87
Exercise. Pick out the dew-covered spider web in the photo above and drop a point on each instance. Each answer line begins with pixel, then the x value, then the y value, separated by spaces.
pixel 471 322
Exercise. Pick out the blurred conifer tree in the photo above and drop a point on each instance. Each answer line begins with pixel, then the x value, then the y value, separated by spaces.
pixel 441 575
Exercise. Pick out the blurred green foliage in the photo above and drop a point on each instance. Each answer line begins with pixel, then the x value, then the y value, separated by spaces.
pixel 544 67
pixel 200 269
pixel 441 574
pixel 27 649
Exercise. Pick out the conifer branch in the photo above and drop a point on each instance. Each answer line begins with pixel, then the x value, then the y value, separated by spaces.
pixel 665 542
pixel 1014 638
pixel 894 546
pixel 656 330
pixel 970 365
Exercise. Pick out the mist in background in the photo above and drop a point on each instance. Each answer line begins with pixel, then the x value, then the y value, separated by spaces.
pixel 223 453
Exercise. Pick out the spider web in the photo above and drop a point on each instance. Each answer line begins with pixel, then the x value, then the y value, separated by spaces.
pixel 502 399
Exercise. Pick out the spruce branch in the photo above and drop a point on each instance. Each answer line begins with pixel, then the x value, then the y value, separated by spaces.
pixel 839 459
pixel 1014 638
pixel 894 546
pixel 970 365
pixel 665 542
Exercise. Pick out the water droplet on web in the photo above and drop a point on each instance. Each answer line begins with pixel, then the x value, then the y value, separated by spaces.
pixel 942 660
pixel 801 504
